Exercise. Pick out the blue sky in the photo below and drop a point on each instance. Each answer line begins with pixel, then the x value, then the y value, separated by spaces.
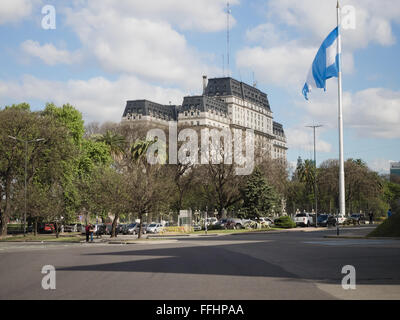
pixel 105 52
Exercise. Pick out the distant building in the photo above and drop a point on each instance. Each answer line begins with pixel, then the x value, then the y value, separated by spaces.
pixel 225 103
pixel 394 171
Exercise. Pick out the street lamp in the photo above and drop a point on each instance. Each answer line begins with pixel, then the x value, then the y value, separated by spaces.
pixel 26 163
pixel 315 175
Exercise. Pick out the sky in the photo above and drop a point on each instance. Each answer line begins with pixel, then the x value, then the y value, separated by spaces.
pixel 102 53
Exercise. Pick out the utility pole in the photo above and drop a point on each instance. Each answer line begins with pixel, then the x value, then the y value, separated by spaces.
pixel 315 175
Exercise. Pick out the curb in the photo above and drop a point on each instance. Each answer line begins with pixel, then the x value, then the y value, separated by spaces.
pixel 167 236
pixel 38 241
pixel 142 242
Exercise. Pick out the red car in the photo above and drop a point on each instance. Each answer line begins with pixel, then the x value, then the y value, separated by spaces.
pixel 46 228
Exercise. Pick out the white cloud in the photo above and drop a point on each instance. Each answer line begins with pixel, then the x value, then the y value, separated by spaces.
pixel 49 54
pixel 376 112
pixel 373 19
pixel 97 98
pixel 266 34
pixel 125 40
pixel 380 165
pixel 15 10
pixel 302 138
pixel 284 60
pixel 284 65
pixel 373 112
pixel 204 15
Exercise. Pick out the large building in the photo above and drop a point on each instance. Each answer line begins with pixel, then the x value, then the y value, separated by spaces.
pixel 394 171
pixel 225 103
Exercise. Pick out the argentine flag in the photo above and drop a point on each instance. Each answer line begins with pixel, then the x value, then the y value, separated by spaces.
pixel 325 64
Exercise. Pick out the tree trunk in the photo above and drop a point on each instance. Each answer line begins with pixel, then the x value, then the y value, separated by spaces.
pixel 140 226
pixel 57 229
pixel 114 226
pixel 3 224
pixel 5 214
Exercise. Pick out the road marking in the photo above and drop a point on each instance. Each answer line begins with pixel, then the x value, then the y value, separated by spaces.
pixel 353 242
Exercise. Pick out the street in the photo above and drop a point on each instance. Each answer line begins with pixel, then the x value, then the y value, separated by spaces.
pixel 282 265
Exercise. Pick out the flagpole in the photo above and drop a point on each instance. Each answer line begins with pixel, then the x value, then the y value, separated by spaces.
pixel 341 161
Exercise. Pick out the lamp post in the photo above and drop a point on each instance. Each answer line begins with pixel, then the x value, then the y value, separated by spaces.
pixel 26 164
pixel 315 176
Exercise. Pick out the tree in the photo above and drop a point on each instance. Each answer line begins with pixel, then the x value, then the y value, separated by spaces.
pixel 258 197
pixel 47 161
pixel 115 141
pixel 108 189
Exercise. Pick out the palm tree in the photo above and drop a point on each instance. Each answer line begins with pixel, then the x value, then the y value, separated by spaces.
pixel 139 149
pixel 306 174
pixel 116 142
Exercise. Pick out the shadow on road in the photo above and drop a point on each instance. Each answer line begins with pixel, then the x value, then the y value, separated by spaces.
pixel 257 259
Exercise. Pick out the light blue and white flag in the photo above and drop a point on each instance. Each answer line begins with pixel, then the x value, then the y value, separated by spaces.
pixel 325 64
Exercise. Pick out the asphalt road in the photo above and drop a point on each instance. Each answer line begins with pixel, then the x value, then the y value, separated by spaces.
pixel 290 265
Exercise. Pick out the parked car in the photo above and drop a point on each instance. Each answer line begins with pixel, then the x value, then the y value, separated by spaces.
pixel 121 227
pixel 221 223
pixel 234 223
pixel 303 219
pixel 71 228
pixel 326 220
pixel 211 221
pixel 131 228
pixel 264 221
pixel 196 227
pixel 357 218
pixel 46 228
pixel 144 227
pixel 154 228
pixel 108 228
pixel 341 218
pixel 100 229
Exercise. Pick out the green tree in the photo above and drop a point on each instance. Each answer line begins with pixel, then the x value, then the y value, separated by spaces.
pixel 259 198
pixel 115 141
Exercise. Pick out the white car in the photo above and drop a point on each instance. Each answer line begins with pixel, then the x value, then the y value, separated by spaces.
pixel 341 218
pixel 154 228
pixel 212 221
pixel 265 221
pixel 303 219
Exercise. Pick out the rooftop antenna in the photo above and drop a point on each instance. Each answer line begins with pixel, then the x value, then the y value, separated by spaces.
pixel 223 65
pixel 254 81
pixel 228 11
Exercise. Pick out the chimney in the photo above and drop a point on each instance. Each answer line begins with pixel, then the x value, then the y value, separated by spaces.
pixel 204 84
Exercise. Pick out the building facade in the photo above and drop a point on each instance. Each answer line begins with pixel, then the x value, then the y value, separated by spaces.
pixel 394 171
pixel 225 103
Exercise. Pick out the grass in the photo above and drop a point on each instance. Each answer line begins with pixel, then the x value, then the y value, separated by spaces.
pixel 47 238
pixel 388 228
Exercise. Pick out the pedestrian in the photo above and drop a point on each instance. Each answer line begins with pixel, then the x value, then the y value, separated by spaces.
pixel 87 230
pixel 389 213
pixel 371 217
pixel 91 230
